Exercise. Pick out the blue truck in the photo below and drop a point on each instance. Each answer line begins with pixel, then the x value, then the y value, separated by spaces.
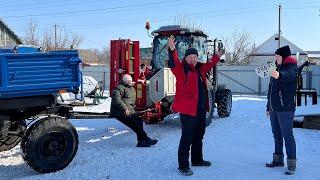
pixel 30 81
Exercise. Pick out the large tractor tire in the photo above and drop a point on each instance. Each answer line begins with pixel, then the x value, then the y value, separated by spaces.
pixel 224 102
pixel 209 115
pixel 13 133
pixel 50 144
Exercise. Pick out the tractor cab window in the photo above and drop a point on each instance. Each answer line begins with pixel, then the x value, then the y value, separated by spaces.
pixel 160 55
pixel 200 44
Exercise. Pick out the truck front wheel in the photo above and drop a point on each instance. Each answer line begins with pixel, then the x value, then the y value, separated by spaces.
pixel 50 144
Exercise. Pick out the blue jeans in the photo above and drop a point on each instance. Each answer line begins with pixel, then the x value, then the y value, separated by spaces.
pixel 282 128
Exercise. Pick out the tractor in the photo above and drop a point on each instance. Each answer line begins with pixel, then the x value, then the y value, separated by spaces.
pixel 155 93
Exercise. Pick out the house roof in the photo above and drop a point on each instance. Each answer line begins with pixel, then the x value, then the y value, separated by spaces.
pixel 2 23
pixel 268 47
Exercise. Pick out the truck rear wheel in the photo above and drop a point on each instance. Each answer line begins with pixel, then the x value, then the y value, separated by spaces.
pixel 224 102
pixel 50 144
pixel 11 135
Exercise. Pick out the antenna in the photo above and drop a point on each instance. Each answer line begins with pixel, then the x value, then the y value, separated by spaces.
pixel 279 26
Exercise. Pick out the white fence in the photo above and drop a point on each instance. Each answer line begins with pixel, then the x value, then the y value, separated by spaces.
pixel 243 79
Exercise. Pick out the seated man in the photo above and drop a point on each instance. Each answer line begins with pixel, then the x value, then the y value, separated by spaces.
pixel 122 108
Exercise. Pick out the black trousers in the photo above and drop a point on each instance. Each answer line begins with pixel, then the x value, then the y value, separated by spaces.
pixel 193 129
pixel 135 123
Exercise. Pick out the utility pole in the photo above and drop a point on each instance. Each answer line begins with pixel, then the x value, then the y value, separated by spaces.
pixel 279 27
pixel 55 37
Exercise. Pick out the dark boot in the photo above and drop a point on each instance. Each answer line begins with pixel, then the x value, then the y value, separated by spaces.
pixel 201 163
pixel 276 162
pixel 143 143
pixel 186 171
pixel 152 141
pixel 291 163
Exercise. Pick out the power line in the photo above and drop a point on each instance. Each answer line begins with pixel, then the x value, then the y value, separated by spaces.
pixel 43 6
pixel 34 5
pixel 86 26
pixel 92 10
pixel 217 13
pixel 108 10
pixel 237 11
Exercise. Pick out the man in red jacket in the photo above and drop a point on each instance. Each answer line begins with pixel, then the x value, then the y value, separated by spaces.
pixel 191 101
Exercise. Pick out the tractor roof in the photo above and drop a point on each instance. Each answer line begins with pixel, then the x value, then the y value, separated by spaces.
pixel 178 28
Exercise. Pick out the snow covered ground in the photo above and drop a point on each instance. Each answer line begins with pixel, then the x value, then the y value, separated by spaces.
pixel 239 146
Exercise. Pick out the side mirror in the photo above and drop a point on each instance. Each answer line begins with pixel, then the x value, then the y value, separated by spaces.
pixel 147 25
pixel 192 40
pixel 220 45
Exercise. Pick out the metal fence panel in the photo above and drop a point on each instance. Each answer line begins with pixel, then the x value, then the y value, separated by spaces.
pixel 240 79
pixel 243 79
pixel 99 73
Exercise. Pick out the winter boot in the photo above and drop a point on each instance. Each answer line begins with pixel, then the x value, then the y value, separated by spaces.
pixel 201 163
pixel 186 171
pixel 276 162
pixel 291 163
pixel 143 143
pixel 152 141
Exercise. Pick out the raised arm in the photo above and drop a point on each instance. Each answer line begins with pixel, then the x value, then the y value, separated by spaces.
pixel 214 60
pixel 174 63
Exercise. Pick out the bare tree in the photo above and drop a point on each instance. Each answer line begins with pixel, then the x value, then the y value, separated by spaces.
pixel 239 46
pixel 186 20
pixel 75 40
pixel 32 35
pixel 102 55
pixel 65 39
pixel 47 42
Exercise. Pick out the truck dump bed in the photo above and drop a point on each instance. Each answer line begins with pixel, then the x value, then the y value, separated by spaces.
pixel 38 73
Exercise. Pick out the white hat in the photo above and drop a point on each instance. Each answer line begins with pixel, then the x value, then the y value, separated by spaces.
pixel 126 78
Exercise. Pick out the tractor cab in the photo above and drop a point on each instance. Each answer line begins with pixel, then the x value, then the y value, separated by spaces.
pixel 185 38
pixel 162 83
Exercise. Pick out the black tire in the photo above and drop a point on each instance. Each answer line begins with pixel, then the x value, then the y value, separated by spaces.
pixel 165 108
pixel 209 115
pixel 9 142
pixel 224 102
pixel 50 144
pixel 13 139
